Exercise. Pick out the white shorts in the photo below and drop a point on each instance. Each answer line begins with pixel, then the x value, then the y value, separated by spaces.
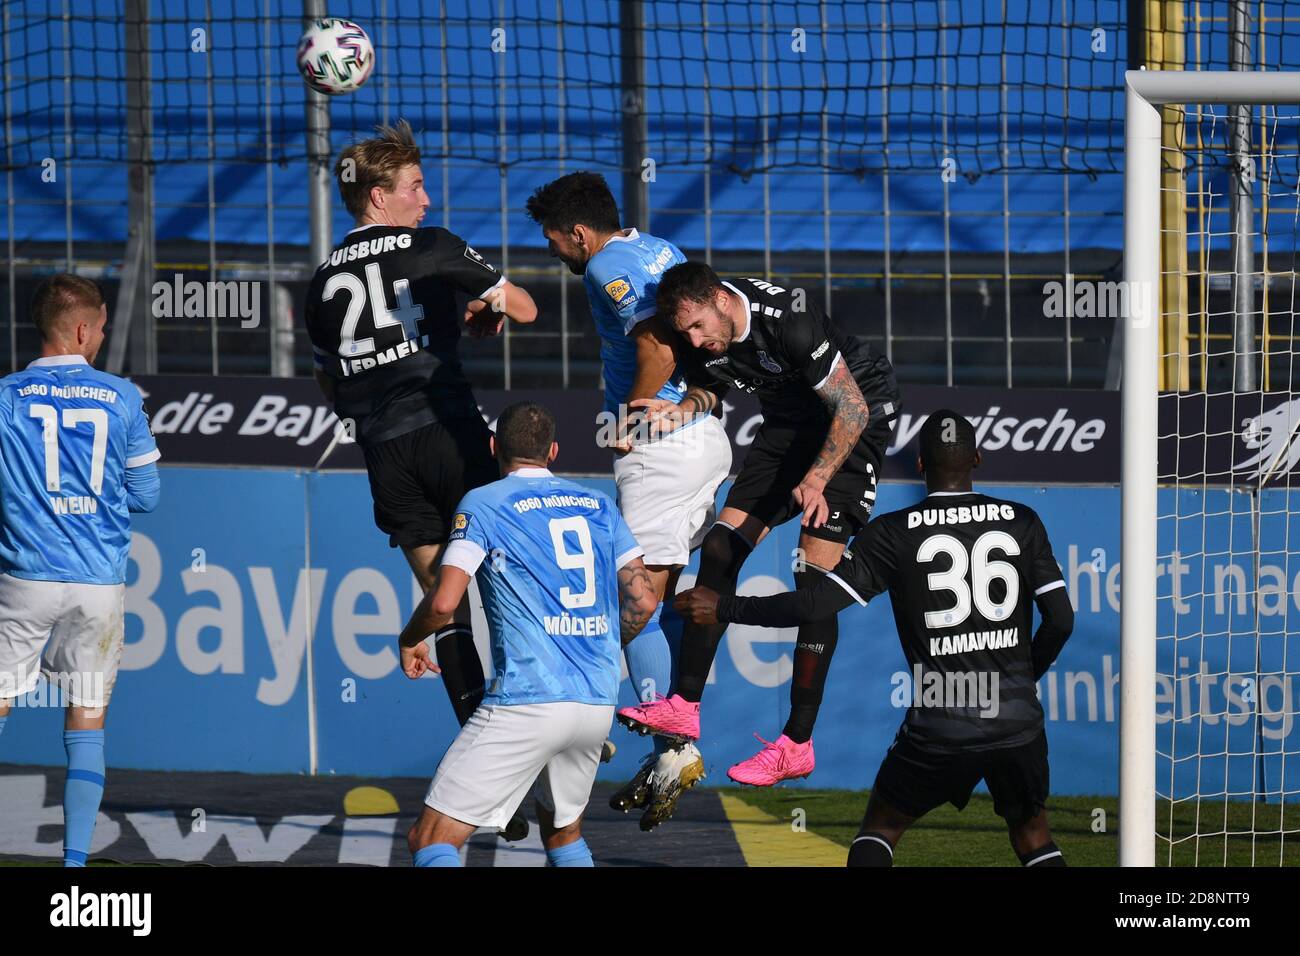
pixel 502 750
pixel 71 633
pixel 667 489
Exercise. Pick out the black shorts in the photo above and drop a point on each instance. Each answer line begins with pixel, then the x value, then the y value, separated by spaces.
pixel 781 455
pixel 914 781
pixel 417 479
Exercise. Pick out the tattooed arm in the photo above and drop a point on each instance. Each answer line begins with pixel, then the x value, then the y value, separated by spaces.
pixel 636 599
pixel 848 419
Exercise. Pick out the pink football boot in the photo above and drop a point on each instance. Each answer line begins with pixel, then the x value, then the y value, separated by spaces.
pixel 782 759
pixel 672 718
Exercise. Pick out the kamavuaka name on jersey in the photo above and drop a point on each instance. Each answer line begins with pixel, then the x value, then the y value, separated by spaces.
pixel 962 514
pixel 571 625
pixel 93 392
pixel 368 247
pixel 399 351
pixel 525 505
pixel 974 641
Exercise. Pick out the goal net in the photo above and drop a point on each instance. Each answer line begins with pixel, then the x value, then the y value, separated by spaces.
pixel 1210 750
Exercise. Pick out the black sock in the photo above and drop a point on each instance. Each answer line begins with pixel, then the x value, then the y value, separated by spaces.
pixel 812 662
pixel 1046 855
pixel 721 555
pixel 871 849
pixel 462 672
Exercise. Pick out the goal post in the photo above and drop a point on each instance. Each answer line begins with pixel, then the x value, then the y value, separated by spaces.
pixel 1146 93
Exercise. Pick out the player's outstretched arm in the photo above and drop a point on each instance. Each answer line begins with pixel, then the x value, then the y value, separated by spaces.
pixel 636 599
pixel 848 420
pixel 1054 629
pixel 826 598
pixel 434 613
pixel 664 415
pixel 514 301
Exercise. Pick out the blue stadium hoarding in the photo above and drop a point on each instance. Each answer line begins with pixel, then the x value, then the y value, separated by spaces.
pixel 238 566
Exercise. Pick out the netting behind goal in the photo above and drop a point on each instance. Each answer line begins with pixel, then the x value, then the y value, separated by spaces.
pixel 1228 529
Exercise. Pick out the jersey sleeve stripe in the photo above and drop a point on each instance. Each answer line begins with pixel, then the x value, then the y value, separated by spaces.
pixel 852 593
pixel 1050 587
pixel 465 555
pixel 495 285
pixel 631 554
pixel 147 458
pixel 637 318
pixel 834 362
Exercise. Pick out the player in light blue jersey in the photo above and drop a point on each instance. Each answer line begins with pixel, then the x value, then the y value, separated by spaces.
pixel 563 585
pixel 76 458
pixel 668 478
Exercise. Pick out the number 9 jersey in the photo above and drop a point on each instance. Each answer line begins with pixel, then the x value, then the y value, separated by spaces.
pixel 68 434
pixel 547 553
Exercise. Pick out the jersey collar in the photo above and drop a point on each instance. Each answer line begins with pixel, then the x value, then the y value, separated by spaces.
pixel 950 494
pixel 58 360
pixel 631 236
pixel 369 225
pixel 530 473
pixel 749 310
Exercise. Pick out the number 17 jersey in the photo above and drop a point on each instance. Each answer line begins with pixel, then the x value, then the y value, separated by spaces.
pixel 68 433
pixel 547 552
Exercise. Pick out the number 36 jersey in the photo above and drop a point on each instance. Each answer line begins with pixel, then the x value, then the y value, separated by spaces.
pixel 383 320
pixel 547 552
pixel 962 571
pixel 68 434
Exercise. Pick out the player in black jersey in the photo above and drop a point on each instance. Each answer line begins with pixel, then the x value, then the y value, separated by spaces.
pixel 828 406
pixel 384 322
pixel 963 572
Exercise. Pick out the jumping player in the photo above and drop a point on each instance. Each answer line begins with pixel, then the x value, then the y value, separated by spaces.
pixel 963 571
pixel 828 405
pixel 667 477
pixel 384 325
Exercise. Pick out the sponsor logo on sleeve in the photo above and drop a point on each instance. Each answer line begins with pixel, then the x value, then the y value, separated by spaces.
pixel 460 525
pixel 821 349
pixel 473 256
pixel 620 291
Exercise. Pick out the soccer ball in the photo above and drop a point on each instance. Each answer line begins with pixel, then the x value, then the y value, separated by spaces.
pixel 335 56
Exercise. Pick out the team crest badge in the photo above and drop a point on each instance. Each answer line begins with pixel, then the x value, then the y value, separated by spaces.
pixel 768 364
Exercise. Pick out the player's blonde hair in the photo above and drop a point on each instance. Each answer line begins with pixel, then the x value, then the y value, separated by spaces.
pixel 374 162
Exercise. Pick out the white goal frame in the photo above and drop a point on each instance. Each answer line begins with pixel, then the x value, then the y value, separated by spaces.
pixel 1145 92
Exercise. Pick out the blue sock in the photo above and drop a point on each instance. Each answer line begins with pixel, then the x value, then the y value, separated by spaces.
pixel 437 854
pixel 82 792
pixel 2 723
pixel 650 666
pixel 572 854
